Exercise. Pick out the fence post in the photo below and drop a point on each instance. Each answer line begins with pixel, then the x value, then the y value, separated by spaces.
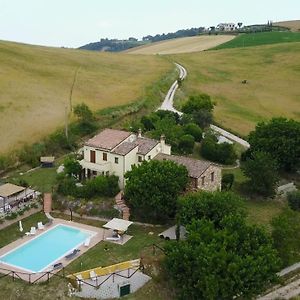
pixel 48 278
pixel 29 278
pixel 13 276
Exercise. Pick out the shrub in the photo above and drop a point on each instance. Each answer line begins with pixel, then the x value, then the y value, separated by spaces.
pixel 194 130
pixel 223 153
pixel 11 216
pixel 186 143
pixel 198 102
pixel 227 181
pixel 294 200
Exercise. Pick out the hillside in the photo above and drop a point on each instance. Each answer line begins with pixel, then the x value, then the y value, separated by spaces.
pixel 182 45
pixel 35 84
pixel 261 38
pixel 273 79
pixel 292 25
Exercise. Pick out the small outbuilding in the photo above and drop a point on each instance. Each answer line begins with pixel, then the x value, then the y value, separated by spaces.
pixel 47 161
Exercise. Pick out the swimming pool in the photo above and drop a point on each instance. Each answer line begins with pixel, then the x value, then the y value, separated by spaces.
pixel 43 251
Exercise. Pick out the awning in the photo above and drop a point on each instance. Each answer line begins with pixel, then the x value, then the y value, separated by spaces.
pixel 117 224
pixel 8 189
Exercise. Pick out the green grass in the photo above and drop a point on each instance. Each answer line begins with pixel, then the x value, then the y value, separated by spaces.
pixel 12 233
pixel 272 90
pixel 260 38
pixel 42 179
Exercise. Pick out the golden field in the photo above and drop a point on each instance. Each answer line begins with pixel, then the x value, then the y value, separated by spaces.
pixel 35 84
pixel 292 25
pixel 182 45
pixel 273 83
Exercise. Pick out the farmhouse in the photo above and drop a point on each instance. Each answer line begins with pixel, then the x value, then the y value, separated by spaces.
pixel 114 152
pixel 226 26
pixel 203 175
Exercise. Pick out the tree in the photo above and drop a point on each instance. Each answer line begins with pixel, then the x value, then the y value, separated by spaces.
pixel 152 189
pixel 236 260
pixel 211 206
pixel 85 117
pixel 186 143
pixel 240 24
pixel 198 102
pixel 203 118
pixel 286 236
pixel 227 181
pixel 194 130
pixel 281 138
pixel 294 200
pixel 223 153
pixel 261 170
pixel 72 167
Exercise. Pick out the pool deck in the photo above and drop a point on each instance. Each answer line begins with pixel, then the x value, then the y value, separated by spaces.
pixel 38 277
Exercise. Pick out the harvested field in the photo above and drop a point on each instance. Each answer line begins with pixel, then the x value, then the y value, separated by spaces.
pixel 293 25
pixel 272 89
pixel 182 45
pixel 35 84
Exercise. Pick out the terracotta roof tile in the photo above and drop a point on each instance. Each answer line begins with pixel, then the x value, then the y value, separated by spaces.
pixel 195 167
pixel 125 148
pixel 108 139
pixel 146 145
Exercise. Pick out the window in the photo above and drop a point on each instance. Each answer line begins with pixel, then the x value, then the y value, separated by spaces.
pixel 140 158
pixel 116 160
pixel 94 173
pixel 203 180
pixel 105 156
pixel 92 156
pixel 107 173
pixel 212 176
pixel 149 157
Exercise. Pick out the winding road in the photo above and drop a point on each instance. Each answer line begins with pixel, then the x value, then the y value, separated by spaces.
pixel 169 105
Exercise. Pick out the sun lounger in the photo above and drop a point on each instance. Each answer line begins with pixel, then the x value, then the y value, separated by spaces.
pixel 32 231
pixel 79 279
pixel 93 275
pixel 72 254
pixel 57 266
pixel 87 242
pixel 40 226
pixel 113 238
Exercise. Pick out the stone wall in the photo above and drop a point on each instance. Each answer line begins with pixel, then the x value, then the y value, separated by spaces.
pixel 211 179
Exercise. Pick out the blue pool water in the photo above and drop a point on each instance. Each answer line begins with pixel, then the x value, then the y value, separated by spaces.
pixel 43 251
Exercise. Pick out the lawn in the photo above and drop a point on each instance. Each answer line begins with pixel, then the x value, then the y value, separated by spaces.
pixel 35 84
pixel 272 90
pixel 260 38
pixel 42 179
pixel 12 233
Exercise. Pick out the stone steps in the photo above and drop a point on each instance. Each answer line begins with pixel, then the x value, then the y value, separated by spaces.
pixel 122 206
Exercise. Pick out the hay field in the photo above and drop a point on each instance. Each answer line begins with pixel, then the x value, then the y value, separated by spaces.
pixel 294 25
pixel 273 75
pixel 182 45
pixel 35 84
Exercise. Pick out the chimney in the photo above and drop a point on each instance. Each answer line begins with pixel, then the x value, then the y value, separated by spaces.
pixel 139 133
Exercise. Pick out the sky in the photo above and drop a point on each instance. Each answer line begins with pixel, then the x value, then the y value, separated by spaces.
pixel 73 23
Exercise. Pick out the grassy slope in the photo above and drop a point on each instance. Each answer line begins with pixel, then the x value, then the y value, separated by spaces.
pixel 273 74
pixel 35 84
pixel 261 38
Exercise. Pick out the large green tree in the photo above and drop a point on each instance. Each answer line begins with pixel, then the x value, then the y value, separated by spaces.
pixel 152 189
pixel 261 169
pixel 286 236
pixel 281 138
pixel 231 261
pixel 211 206
pixel 198 102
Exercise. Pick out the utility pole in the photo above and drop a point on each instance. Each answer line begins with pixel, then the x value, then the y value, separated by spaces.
pixel 72 87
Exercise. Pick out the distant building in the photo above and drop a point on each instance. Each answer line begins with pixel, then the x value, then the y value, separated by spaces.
pixel 226 27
